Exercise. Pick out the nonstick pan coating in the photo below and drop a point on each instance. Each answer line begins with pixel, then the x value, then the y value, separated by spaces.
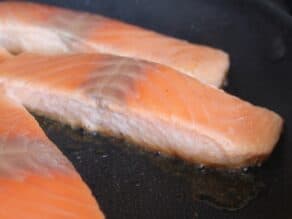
pixel 129 183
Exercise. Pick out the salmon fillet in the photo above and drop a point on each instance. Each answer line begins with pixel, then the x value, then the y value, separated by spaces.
pixel 50 30
pixel 147 103
pixel 36 180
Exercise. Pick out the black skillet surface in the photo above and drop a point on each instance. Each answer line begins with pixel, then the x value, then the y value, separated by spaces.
pixel 129 183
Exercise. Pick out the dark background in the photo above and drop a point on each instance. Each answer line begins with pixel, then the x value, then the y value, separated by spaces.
pixel 133 184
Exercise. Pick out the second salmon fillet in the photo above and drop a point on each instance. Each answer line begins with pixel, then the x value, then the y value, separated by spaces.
pixel 44 29
pixel 36 179
pixel 147 103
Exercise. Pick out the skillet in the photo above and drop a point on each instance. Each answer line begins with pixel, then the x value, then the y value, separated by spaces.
pixel 130 183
